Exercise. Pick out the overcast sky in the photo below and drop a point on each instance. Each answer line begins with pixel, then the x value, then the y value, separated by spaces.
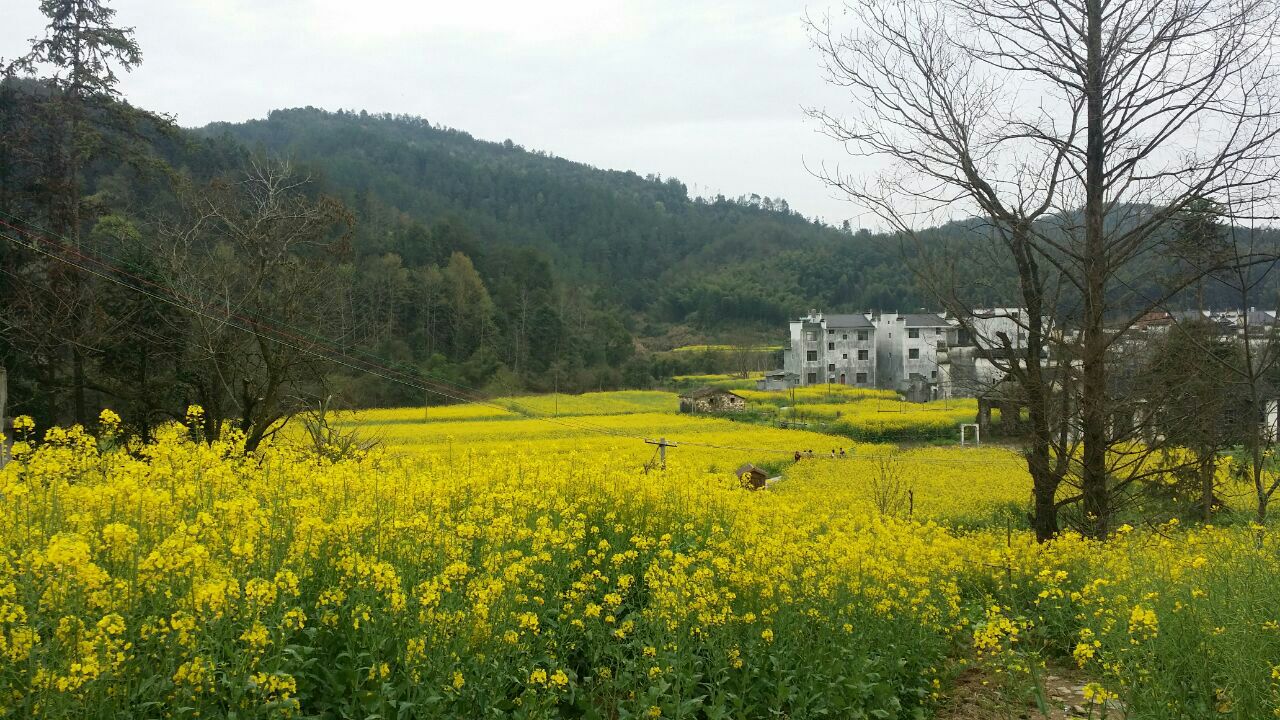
pixel 709 91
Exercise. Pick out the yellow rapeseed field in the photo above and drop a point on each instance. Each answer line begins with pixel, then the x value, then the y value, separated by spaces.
pixel 527 568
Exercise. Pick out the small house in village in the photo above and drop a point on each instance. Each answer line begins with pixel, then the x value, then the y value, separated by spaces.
pixel 712 400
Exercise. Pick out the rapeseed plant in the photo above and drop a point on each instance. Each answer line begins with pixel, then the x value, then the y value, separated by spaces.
pixel 529 569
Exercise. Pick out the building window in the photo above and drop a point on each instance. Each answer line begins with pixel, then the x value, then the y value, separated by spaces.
pixel 913 353
pixel 861 378
pixel 831 367
pixel 844 336
pixel 831 346
pixel 913 333
pixel 862 336
pixel 862 354
pixel 831 332
pixel 813 378
pixel 844 356
pixel 934 374
pixel 811 356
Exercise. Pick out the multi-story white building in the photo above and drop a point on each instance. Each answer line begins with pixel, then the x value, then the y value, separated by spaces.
pixel 836 349
pixel 921 355
pixel 911 353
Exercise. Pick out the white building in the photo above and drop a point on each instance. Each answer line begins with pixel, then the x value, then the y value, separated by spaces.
pixel 992 327
pixel 911 353
pixel 921 355
pixel 992 333
pixel 836 349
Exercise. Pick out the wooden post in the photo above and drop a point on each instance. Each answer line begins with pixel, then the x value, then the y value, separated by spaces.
pixel 4 399
pixel 662 449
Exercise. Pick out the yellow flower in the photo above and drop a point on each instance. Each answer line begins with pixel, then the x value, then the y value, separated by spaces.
pixel 1143 623
pixel 1095 693
pixel 23 425
pixel 108 421
pixel 256 636
pixel 294 619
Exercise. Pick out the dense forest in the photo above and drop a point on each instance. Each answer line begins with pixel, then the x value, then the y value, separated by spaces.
pixel 653 251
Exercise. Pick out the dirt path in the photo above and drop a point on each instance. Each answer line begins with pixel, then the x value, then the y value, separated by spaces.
pixel 973 699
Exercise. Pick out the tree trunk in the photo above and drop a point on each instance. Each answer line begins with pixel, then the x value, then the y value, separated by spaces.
pixel 1093 397
pixel 1044 479
pixel 1264 497
pixel 79 404
pixel 1208 468
pixel 4 401
pixel 1044 483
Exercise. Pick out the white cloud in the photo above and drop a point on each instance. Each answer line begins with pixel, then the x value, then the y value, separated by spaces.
pixel 709 91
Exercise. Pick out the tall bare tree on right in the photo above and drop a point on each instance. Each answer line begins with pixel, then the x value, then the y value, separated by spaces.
pixel 1075 131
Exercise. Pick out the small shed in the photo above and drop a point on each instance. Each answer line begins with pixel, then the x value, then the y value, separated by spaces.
pixel 751 477
pixel 711 400
pixel 778 380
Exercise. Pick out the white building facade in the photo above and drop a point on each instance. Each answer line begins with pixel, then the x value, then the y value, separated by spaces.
pixel 911 353
pixel 834 349
pixel 921 355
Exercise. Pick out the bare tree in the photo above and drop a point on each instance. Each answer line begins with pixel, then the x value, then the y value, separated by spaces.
pixel 1076 131
pixel 254 261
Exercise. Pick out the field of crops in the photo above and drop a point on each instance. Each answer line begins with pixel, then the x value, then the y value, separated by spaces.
pixel 864 414
pixel 728 381
pixel 494 565
pixel 727 348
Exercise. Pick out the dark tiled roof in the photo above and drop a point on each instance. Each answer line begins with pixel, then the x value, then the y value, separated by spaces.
pixel 708 392
pixel 923 320
pixel 848 321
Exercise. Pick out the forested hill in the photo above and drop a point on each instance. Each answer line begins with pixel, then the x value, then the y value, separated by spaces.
pixel 422 191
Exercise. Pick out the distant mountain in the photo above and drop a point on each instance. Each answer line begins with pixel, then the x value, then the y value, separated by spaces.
pixel 641 242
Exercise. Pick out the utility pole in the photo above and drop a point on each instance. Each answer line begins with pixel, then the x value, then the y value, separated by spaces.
pixel 662 449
